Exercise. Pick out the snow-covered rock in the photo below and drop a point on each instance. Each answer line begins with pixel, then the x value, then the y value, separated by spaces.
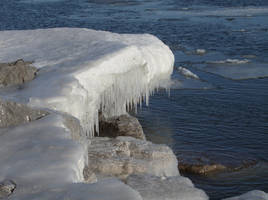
pixel 252 195
pixel 83 70
pixel 16 72
pixel 170 188
pixel 12 113
pixel 126 155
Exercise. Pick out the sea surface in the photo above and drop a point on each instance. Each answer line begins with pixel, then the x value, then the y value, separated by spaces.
pixel 220 116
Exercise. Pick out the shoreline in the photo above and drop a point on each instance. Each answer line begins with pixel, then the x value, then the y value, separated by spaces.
pixel 46 155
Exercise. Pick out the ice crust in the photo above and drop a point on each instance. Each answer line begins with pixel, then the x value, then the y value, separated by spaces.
pixel 251 195
pixel 83 70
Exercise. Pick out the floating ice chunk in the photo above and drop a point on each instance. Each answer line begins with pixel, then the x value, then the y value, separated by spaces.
pixel 252 195
pixel 83 70
pixel 187 73
pixel 238 69
pixel 200 51
pixel 230 61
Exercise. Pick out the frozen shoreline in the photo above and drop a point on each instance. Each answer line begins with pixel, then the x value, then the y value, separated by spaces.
pixel 80 72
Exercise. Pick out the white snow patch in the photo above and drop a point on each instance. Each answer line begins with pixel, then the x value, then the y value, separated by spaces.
pixel 252 195
pixel 83 70
pixel 41 154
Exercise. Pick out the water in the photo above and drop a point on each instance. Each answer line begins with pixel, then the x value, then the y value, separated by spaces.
pixel 221 117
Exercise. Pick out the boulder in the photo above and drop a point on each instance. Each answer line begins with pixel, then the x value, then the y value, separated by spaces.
pixel 16 72
pixel 124 125
pixel 6 188
pixel 170 188
pixel 123 156
pixel 12 113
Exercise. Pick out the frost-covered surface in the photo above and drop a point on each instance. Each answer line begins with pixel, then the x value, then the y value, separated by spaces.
pixel 171 188
pixel 82 70
pixel 41 154
pixel 252 195
pixel 110 189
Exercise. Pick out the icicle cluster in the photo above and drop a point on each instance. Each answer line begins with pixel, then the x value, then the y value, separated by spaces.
pixel 128 90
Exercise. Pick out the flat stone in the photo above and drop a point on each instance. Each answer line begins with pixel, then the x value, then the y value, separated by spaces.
pixel 123 156
pixel 201 169
pixel 124 125
pixel 16 72
pixel 12 113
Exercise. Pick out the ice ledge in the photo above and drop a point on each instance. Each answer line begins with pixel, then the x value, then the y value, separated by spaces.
pixel 83 70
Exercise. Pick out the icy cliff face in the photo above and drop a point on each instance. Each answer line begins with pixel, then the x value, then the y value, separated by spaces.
pixel 83 70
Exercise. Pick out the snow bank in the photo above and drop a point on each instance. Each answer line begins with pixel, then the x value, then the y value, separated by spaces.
pixel 83 70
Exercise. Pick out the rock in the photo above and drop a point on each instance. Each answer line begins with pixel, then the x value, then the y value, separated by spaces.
pixel 12 114
pixel 123 156
pixel 171 188
pixel 124 125
pixel 252 195
pixel 6 188
pixel 89 176
pixel 201 169
pixel 16 72
pixel 74 126
pixel 207 168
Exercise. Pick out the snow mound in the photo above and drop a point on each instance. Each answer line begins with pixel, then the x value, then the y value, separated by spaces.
pixel 83 70
pixel 252 195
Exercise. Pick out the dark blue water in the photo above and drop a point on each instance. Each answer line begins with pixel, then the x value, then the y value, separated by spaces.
pixel 220 118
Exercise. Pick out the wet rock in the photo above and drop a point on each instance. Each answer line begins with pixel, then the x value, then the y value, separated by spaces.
pixel 124 125
pixel 12 113
pixel 252 195
pixel 159 188
pixel 201 169
pixel 7 187
pixel 205 169
pixel 16 72
pixel 123 156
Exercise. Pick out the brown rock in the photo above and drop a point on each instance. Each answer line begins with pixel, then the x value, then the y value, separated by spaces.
pixel 124 125
pixel 123 156
pixel 12 113
pixel 16 72
pixel 201 169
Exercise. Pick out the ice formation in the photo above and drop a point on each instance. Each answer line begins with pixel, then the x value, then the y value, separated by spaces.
pixel 83 70
pixel 187 73
pixel 252 195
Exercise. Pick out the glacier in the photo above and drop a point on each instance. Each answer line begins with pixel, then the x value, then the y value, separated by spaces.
pixel 82 71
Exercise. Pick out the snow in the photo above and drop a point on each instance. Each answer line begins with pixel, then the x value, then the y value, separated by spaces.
pixel 252 195
pixel 83 70
pixel 42 150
